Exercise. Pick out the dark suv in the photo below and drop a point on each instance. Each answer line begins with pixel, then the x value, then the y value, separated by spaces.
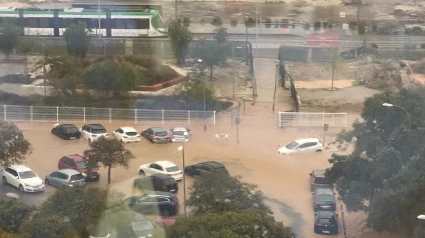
pixel 326 222
pixel 157 182
pixel 78 163
pixel 324 199
pixel 205 168
pixel 166 204
pixel 319 180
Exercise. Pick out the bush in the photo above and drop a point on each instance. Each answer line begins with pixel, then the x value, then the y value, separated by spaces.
pixel 250 22
pixel 317 26
pixel 419 67
pixel 186 21
pixel 307 26
pixel 284 23
pixel 408 31
pixel 216 21
pixel 268 23
pixel 387 30
pixel 417 31
pixel 233 22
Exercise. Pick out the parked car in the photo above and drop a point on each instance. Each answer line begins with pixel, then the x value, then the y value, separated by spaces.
pixel 319 180
pixel 65 177
pixel 78 162
pixel 156 135
pixel 326 222
pixel 126 134
pixel 157 182
pixel 302 146
pixel 164 222
pixel 66 131
pixel 140 227
pixel 180 134
pixel 164 203
pixel 92 132
pixel 205 168
pixel 22 177
pixel 162 167
pixel 324 199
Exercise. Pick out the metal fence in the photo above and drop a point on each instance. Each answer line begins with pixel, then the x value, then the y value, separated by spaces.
pixel 88 114
pixel 311 119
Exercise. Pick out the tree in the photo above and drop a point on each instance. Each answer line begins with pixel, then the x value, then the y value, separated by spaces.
pixel 334 62
pixel 48 226
pixel 77 39
pixel 9 37
pixel 86 208
pixel 180 37
pixel 13 214
pixel 384 175
pixel 110 153
pixel 212 54
pixel 220 193
pixel 13 146
pixel 220 34
pixel 229 225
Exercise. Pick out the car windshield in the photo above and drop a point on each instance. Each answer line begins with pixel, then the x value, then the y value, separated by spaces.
pixel 161 133
pixel 178 133
pixel 292 145
pixel 81 164
pixel 169 181
pixel 142 226
pixel 172 169
pixel 321 181
pixel 76 177
pixel 98 131
pixel 324 198
pixel 131 133
pixel 325 221
pixel 27 175
pixel 71 129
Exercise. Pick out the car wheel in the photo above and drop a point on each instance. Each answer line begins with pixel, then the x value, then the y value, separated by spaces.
pixel 4 180
pixel 46 181
pixel 165 213
pixel 141 173
pixel 21 188
pixel 319 150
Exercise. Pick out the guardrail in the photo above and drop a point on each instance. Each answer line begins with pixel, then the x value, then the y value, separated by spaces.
pixel 88 114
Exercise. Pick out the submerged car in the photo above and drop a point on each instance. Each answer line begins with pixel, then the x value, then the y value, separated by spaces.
pixel 22 177
pixel 126 134
pixel 93 132
pixel 319 180
pixel 66 131
pixel 156 135
pixel 305 145
pixel 65 177
pixel 164 203
pixel 326 222
pixel 161 167
pixel 78 162
pixel 157 182
pixel 180 134
pixel 205 168
pixel 324 199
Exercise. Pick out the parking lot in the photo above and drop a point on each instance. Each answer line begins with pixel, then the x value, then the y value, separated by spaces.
pixel 283 179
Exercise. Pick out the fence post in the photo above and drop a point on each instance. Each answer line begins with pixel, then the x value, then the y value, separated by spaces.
pixel 57 114
pixel 323 120
pixel 110 115
pixel 188 117
pixel 162 116
pixel 135 116
pixel 333 119
pixel 214 118
pixel 4 113
pixel 346 120
pixel 84 114
pixel 31 113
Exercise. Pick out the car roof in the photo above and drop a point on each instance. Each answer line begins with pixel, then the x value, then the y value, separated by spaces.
pixel 319 173
pixel 76 157
pixel 179 129
pixel 68 171
pixel 165 163
pixel 213 164
pixel 304 140
pixel 323 191
pixel 325 214
pixel 158 193
pixel 157 129
pixel 128 129
pixel 67 125
pixel 96 126
pixel 20 168
pixel 161 176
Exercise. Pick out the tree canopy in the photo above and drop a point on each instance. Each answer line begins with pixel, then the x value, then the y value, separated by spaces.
pixel 13 146
pixel 384 175
pixel 9 36
pixel 13 214
pixel 212 53
pixel 109 153
pixel 180 37
pixel 77 39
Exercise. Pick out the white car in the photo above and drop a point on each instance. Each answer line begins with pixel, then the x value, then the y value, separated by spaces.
pixel 161 167
pixel 23 178
pixel 302 146
pixel 180 134
pixel 92 132
pixel 126 134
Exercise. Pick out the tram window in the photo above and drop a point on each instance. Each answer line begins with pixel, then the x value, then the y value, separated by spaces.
pixel 119 24
pixel 65 22
pixel 143 24
pixel 131 24
pixel 31 22
pixel 45 23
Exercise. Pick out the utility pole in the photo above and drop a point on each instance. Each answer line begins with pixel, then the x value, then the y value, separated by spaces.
pixel 275 82
pixel 176 7
pixel 98 14
pixel 234 94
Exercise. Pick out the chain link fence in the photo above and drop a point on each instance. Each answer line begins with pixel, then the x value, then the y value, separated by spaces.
pixel 311 119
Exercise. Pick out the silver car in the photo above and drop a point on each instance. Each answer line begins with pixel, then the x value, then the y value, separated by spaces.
pixel 65 177
pixel 180 134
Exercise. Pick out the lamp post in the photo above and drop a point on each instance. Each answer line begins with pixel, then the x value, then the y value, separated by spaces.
pixel 181 148
pixel 275 82
pixel 98 14
pixel 392 105
pixel 246 39
pixel 205 107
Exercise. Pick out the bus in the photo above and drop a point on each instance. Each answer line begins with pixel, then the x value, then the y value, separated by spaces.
pixel 113 23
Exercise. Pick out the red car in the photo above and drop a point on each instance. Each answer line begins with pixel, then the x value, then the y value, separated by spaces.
pixel 78 163
pixel 165 221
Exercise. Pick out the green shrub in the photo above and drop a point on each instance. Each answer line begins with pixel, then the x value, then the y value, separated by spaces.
pixel 186 21
pixel 233 22
pixel 216 21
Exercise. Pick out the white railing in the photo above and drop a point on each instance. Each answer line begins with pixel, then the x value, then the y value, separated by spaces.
pixel 89 114
pixel 311 119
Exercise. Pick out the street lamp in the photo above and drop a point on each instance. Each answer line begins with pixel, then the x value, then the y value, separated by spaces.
pixel 275 81
pixel 181 148
pixel 392 105
pixel 246 39
pixel 205 107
